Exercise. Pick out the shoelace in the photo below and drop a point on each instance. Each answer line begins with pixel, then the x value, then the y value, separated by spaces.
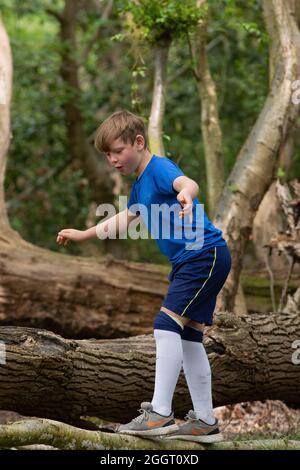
pixel 144 415
pixel 189 418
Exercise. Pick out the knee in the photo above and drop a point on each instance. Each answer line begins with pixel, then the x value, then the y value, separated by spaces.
pixel 163 321
pixel 191 334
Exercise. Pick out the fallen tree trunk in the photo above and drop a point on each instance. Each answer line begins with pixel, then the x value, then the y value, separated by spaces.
pixel 77 297
pixel 47 376
pixel 63 436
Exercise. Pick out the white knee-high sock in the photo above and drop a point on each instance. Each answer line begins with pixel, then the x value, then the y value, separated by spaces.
pixel 168 366
pixel 198 376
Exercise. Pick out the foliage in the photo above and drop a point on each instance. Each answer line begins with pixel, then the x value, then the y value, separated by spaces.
pixel 160 20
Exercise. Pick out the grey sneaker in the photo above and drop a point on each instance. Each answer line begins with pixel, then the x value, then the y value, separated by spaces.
pixel 149 423
pixel 197 430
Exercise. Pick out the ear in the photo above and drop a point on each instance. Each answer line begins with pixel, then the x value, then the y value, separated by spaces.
pixel 140 142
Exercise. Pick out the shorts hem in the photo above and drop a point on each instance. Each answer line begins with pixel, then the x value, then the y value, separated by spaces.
pixel 174 309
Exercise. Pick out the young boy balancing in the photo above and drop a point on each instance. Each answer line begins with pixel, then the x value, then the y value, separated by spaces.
pixel 199 270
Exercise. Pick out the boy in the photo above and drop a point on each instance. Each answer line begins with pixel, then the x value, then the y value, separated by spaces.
pixel 199 270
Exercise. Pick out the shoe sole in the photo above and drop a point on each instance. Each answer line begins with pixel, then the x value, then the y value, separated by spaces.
pixel 151 432
pixel 209 439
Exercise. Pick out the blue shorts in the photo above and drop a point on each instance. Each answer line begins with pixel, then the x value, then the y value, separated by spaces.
pixel 195 284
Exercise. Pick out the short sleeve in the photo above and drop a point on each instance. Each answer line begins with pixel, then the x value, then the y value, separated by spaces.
pixel 132 198
pixel 167 172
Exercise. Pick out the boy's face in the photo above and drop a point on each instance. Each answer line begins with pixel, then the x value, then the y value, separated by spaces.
pixel 126 157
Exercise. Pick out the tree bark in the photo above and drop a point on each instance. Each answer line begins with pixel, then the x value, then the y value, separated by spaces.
pixel 256 164
pixel 155 128
pixel 44 375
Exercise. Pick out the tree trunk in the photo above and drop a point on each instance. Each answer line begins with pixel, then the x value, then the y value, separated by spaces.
pixel 8 236
pixel 44 375
pixel 210 123
pixel 5 92
pixel 77 297
pixel 155 128
pixel 211 133
pixel 97 170
pixel 256 164
pixel 268 219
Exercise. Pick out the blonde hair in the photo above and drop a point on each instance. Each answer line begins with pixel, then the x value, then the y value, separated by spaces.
pixel 121 124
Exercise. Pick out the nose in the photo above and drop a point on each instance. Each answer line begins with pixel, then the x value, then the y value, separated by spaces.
pixel 113 159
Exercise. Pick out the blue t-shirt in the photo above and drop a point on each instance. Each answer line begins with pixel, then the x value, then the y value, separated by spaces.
pixel 154 198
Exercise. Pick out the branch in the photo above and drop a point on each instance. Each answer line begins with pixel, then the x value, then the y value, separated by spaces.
pixel 192 54
pixel 286 285
pixel 187 67
pixel 63 436
pixel 58 16
pixel 271 274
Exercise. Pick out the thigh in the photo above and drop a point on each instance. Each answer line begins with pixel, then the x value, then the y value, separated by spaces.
pixel 186 281
pixel 182 320
pixel 196 325
pixel 185 321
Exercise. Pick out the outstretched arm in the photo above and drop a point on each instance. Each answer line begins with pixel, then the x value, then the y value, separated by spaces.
pixel 116 224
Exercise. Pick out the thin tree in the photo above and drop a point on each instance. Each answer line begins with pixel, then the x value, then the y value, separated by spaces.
pixel 159 23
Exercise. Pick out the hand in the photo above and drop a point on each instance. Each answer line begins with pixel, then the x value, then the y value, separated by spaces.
pixel 186 202
pixel 67 234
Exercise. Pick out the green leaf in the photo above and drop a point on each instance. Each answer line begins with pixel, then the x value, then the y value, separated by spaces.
pixel 233 188
pixel 280 173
